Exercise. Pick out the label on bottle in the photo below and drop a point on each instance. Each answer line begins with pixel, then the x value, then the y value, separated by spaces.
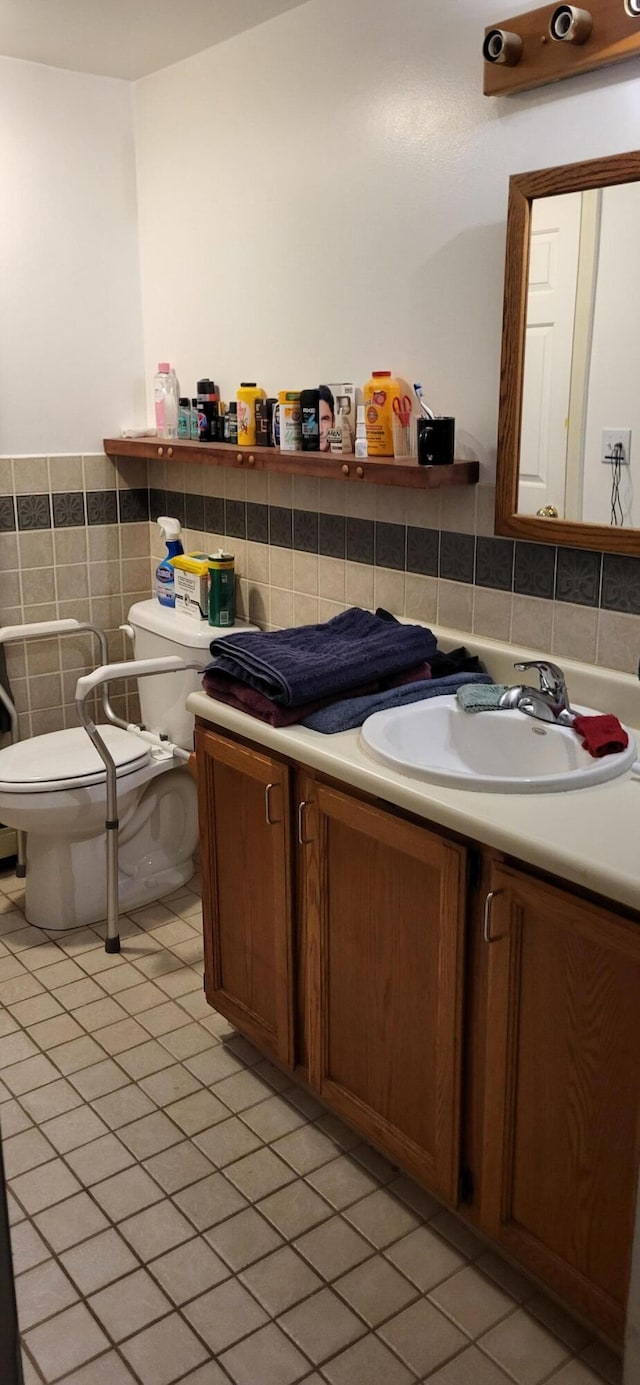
pixel 165 585
pixel 310 423
pixel 290 427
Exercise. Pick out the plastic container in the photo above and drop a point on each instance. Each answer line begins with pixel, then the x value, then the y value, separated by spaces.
pixel 222 589
pixel 165 574
pixel 290 418
pixel 184 418
pixel 194 431
pixel 247 395
pixel 310 412
pixel 165 398
pixel 361 434
pixel 379 395
pixel 264 422
pixel 192 584
pixel 231 423
pixel 208 397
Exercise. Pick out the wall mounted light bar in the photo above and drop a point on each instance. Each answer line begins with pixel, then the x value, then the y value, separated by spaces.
pixel 557 41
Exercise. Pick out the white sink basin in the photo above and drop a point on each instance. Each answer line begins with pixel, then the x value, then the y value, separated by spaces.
pixel 499 752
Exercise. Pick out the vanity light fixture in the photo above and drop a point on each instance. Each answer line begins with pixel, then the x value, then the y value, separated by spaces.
pixel 570 25
pixel 552 42
pixel 500 46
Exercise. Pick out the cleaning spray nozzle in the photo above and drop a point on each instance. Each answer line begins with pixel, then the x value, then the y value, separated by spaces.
pixel 171 528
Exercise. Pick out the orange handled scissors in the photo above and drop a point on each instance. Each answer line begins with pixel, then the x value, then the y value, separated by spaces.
pixel 402 409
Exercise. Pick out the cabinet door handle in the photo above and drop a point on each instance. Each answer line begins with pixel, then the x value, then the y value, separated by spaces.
pixel 304 841
pixel 488 907
pixel 271 822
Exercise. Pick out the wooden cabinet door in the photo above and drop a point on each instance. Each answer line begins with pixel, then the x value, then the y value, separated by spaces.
pixel 384 923
pixel 243 799
pixel 562 1090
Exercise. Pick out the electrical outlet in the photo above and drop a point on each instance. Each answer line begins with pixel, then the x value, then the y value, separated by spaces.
pixel 610 438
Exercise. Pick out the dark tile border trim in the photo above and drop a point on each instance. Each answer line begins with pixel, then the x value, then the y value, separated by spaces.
pixel 583 577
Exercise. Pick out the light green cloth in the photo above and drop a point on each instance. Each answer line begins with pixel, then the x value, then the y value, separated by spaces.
pixel 481 697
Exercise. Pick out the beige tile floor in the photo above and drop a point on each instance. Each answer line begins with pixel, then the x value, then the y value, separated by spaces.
pixel 180 1212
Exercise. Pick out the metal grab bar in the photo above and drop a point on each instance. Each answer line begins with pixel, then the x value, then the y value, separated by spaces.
pixel 84 687
pixel 38 630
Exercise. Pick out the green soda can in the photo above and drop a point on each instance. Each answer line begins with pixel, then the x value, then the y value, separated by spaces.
pixel 222 591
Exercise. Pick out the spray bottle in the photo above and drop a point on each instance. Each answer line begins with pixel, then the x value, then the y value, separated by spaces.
pixel 165 575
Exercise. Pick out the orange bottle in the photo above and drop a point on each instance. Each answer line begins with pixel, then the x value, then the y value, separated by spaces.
pixel 379 394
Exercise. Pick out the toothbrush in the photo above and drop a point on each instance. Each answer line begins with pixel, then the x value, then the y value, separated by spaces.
pixel 419 392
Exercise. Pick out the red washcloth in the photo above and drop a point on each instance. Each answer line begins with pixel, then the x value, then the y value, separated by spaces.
pixel 601 735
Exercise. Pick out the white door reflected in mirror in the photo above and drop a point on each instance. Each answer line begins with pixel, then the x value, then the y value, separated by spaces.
pixel 579 384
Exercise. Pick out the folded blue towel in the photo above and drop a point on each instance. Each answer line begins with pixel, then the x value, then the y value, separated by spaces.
pixel 314 661
pixel 353 711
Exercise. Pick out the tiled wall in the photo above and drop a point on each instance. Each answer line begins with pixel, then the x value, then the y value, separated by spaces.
pixel 305 548
pixel 74 541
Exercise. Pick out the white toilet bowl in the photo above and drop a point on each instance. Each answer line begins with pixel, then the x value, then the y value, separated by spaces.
pixel 53 788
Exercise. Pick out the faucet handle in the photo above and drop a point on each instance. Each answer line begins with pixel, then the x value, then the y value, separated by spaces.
pixel 552 679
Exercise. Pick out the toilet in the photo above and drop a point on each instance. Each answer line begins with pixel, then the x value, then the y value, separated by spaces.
pixel 52 787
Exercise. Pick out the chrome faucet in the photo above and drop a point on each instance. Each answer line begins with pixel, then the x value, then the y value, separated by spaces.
pixel 549 701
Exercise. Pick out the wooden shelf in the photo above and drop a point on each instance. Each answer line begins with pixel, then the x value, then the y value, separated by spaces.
pixel 380 471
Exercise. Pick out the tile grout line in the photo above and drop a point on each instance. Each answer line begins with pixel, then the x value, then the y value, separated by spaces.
pixel 270 1092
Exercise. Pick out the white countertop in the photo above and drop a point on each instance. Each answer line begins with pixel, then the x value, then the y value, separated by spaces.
pixel 589 836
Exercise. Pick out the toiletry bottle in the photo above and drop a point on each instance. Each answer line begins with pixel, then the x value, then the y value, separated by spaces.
pixel 222 591
pixel 218 422
pixel 290 421
pixel 310 410
pixel 207 410
pixel 194 433
pixel 264 419
pixel 231 423
pixel 165 401
pixel 184 418
pixel 247 395
pixel 165 575
pixel 361 434
pixel 379 395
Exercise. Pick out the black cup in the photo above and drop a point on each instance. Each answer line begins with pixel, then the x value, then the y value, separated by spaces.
pixel 436 441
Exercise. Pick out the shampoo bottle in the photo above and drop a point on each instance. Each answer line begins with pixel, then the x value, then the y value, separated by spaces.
pixel 165 576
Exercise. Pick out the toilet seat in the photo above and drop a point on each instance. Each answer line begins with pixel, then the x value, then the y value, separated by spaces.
pixel 68 760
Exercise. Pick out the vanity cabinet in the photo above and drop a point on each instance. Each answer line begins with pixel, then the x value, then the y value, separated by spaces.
pixel 561 1130
pixel 244 810
pixel 383 905
pixel 479 1025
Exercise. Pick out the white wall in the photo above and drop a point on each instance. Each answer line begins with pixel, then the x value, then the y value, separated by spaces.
pixel 614 398
pixel 71 361
pixel 328 195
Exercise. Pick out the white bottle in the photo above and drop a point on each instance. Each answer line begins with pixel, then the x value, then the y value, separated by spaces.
pixel 165 392
pixel 361 434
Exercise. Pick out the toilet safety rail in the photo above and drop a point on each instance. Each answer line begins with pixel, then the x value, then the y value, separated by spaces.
pixel 86 685
pixel 39 630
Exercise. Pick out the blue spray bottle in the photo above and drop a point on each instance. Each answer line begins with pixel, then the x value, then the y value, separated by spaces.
pixel 165 576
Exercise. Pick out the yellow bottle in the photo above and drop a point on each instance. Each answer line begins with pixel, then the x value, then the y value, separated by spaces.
pixel 379 395
pixel 247 395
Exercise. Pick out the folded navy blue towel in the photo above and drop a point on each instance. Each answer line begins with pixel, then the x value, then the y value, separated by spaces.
pixel 353 711
pixel 314 661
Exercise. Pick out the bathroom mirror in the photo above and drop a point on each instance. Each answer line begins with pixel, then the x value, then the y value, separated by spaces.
pixel 569 424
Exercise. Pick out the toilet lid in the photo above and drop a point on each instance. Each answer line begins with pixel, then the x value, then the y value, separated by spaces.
pixel 67 759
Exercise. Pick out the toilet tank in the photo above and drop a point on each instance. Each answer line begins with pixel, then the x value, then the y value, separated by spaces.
pixel 157 631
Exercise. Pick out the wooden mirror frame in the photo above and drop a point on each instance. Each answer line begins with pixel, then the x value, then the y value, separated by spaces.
pixel 523 188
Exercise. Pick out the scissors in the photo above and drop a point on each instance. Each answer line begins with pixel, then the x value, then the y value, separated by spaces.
pixel 402 409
